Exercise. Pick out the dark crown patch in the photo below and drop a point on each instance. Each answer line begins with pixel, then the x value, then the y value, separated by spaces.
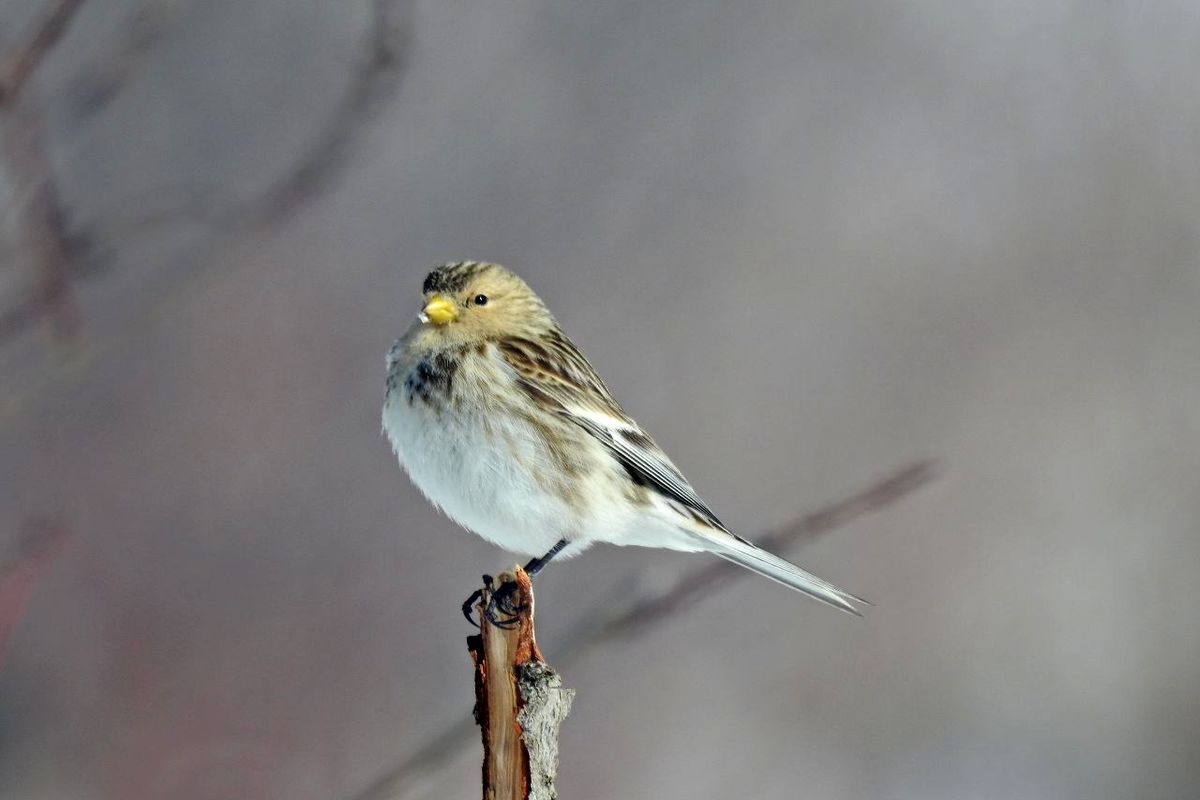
pixel 451 278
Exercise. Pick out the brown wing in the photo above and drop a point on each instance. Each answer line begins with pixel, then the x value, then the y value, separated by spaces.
pixel 556 376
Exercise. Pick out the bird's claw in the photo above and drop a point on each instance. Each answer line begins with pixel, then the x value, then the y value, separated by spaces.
pixel 501 611
pixel 468 606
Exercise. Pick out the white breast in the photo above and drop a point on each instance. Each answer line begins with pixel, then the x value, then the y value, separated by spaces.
pixel 484 474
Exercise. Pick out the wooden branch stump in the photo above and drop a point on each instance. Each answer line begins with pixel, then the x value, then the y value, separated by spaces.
pixel 520 703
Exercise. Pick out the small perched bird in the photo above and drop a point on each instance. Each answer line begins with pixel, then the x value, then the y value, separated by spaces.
pixel 502 423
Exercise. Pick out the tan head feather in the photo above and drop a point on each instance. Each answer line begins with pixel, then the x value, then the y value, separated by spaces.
pixel 471 301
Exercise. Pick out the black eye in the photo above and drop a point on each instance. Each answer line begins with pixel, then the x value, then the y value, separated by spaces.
pixel 481 299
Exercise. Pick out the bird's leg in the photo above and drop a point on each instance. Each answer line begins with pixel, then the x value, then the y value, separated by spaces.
pixel 535 565
pixel 501 599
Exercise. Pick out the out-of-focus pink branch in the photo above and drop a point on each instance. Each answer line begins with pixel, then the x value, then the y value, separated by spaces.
pixel 37 545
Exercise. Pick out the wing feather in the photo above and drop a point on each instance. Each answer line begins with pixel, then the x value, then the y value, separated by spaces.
pixel 556 375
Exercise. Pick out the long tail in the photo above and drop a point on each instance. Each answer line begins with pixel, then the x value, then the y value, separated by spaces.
pixel 739 551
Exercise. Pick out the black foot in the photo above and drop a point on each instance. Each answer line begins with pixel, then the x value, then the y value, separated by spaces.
pixel 468 606
pixel 501 611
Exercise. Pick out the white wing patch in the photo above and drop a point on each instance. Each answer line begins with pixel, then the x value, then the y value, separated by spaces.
pixel 646 464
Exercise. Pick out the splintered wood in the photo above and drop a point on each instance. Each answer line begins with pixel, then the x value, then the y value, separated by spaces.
pixel 519 702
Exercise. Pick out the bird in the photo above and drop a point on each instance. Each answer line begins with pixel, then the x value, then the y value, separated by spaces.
pixel 503 424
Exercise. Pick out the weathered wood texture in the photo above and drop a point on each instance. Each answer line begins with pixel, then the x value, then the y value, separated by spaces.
pixel 519 703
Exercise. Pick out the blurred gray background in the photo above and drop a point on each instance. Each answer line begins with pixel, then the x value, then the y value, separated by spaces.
pixel 806 243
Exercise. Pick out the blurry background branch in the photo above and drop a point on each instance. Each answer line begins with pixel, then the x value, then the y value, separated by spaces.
pixel 47 238
pixel 20 66
pixel 375 79
pixel 102 80
pixel 644 613
pixel 59 253
pixel 55 248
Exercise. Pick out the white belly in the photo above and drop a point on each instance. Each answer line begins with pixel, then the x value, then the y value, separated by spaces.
pixel 494 476
pixel 479 475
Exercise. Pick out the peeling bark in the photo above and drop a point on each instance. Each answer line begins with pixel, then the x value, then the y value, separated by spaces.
pixel 520 703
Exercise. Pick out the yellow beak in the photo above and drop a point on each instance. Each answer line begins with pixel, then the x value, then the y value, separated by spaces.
pixel 440 310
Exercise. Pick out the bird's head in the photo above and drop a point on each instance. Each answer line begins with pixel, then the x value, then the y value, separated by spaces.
pixel 472 301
